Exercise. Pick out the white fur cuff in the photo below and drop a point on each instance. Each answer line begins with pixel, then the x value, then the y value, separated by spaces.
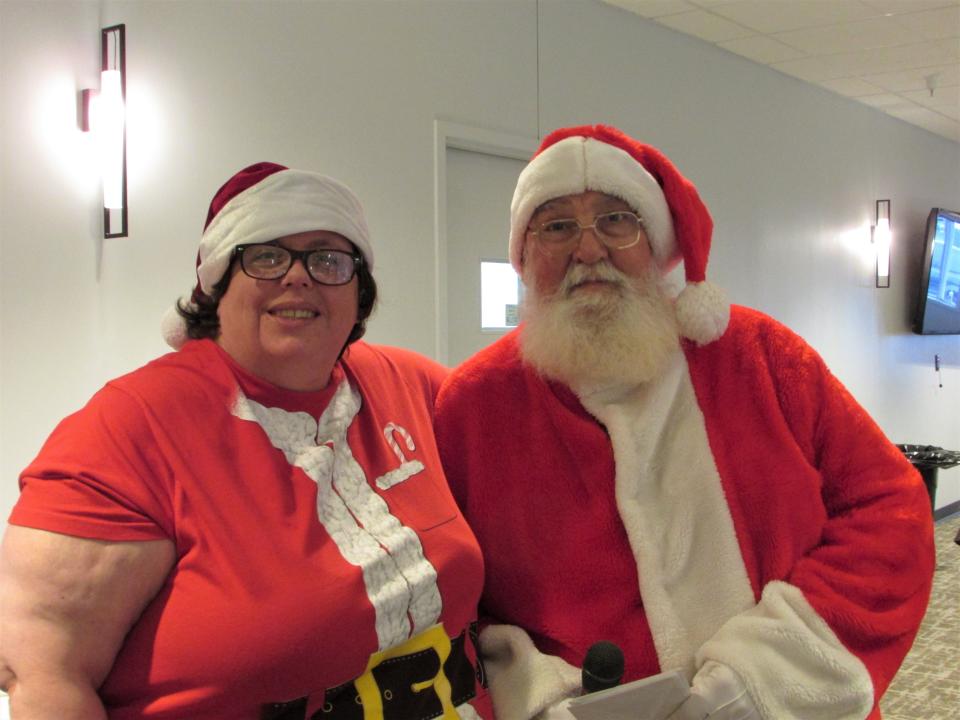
pixel 523 681
pixel 792 663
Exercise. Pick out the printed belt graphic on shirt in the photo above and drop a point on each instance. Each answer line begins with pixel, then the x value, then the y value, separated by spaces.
pixel 426 677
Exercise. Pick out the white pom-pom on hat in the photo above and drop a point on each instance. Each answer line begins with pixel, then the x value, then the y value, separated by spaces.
pixel 173 328
pixel 677 223
pixel 703 312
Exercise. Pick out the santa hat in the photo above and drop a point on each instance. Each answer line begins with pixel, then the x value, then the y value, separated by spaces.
pixel 598 157
pixel 261 203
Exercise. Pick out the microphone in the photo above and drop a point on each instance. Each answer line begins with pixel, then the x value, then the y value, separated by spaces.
pixel 602 667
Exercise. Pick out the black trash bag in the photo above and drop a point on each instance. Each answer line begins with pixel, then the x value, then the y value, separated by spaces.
pixel 930 456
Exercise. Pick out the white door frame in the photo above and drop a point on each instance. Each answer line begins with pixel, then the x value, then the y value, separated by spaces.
pixel 461 137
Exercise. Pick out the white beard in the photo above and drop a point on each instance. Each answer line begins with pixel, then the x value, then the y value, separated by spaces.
pixel 617 336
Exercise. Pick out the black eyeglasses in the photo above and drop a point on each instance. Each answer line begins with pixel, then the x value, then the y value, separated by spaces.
pixel 269 261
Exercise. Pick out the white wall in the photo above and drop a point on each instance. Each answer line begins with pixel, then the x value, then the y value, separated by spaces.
pixel 352 89
pixel 790 173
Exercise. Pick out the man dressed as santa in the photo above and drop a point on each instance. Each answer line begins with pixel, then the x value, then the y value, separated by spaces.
pixel 683 478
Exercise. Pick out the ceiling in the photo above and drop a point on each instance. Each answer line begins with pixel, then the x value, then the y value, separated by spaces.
pixel 901 57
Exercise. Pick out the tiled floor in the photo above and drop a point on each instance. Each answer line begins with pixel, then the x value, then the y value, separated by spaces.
pixel 928 684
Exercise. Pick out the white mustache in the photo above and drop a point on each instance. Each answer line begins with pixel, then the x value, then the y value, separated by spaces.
pixel 602 272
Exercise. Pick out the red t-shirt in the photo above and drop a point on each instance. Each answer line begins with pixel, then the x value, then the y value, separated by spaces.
pixel 312 529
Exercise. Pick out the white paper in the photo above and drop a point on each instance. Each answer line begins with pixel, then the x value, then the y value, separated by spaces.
pixel 652 698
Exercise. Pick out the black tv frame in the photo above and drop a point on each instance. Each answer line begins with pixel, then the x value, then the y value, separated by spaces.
pixel 929 237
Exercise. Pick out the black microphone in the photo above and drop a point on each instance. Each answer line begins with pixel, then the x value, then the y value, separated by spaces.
pixel 602 667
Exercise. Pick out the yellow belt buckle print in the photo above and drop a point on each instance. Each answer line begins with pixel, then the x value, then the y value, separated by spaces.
pixel 434 638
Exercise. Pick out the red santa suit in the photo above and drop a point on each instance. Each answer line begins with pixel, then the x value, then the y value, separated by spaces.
pixel 738 514
pixel 741 508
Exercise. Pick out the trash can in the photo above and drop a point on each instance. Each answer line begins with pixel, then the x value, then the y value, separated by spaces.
pixel 928 459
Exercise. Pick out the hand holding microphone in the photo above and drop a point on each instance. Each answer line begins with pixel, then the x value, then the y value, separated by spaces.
pixel 602 667
pixel 717 693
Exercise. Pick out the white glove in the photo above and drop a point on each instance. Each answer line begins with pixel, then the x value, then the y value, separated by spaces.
pixel 557 711
pixel 717 693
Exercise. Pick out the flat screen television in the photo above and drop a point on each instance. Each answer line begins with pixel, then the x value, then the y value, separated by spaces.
pixel 938 306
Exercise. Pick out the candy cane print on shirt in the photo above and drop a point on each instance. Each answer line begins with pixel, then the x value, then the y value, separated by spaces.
pixel 407 467
pixel 400 582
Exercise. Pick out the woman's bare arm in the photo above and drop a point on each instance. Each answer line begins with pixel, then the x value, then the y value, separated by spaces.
pixel 66 604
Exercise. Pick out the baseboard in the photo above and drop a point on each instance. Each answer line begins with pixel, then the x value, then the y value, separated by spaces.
pixel 946 511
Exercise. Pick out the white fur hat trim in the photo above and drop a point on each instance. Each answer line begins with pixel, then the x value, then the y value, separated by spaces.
pixel 577 164
pixel 284 203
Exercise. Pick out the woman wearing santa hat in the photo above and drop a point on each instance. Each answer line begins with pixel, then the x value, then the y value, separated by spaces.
pixel 257 525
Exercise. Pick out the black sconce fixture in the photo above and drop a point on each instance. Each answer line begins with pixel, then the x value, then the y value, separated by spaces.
pixel 104 113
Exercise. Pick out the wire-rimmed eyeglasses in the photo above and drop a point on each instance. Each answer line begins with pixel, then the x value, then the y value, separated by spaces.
pixel 269 261
pixel 617 230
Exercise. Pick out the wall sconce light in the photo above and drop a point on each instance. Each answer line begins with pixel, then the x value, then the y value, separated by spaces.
pixel 104 113
pixel 881 237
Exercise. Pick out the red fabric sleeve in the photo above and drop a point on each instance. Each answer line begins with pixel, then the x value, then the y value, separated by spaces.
pixel 870 576
pixel 850 522
pixel 99 476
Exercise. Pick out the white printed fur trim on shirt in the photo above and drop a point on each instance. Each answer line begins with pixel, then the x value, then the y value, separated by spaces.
pixel 523 681
pixel 401 582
